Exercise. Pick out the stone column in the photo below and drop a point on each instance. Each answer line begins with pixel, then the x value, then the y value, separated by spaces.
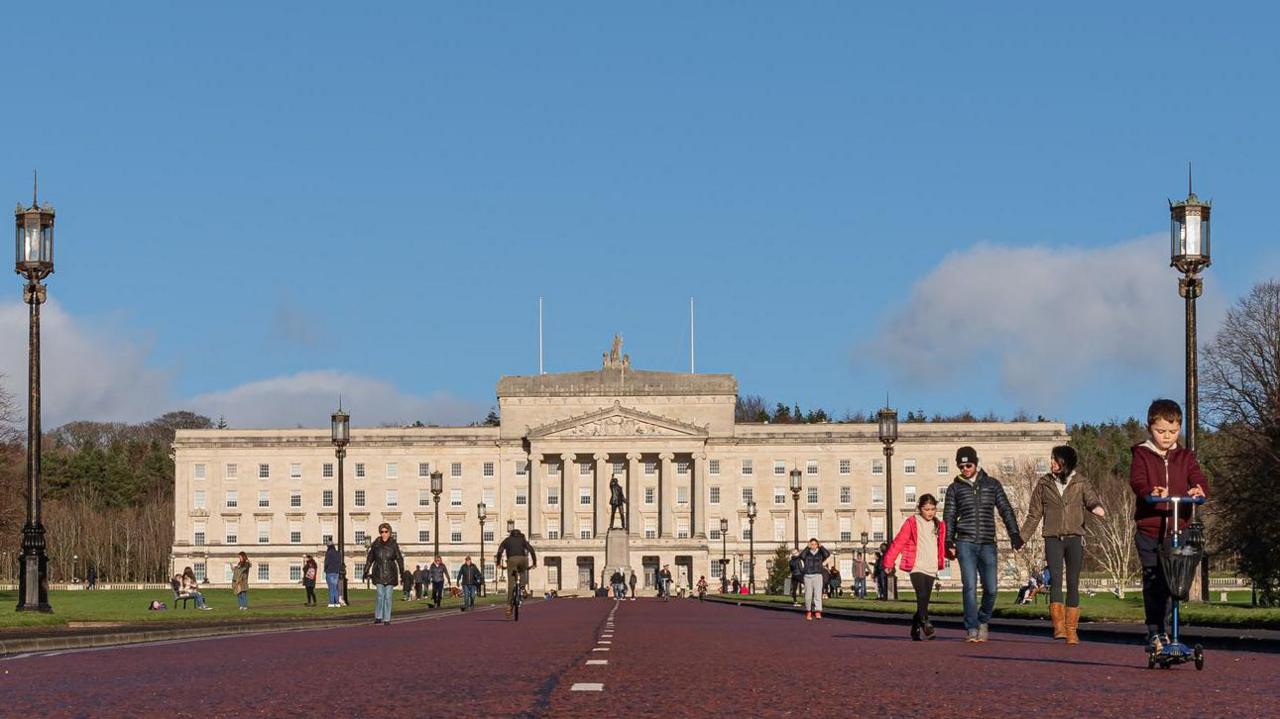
pixel 600 495
pixel 664 493
pixel 566 472
pixel 535 467
pixel 633 485
pixel 698 515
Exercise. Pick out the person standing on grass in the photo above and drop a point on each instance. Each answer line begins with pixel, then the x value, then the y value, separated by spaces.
pixel 383 565
pixel 860 576
pixel 797 577
pixel 972 500
pixel 811 560
pixel 921 544
pixel 470 579
pixel 438 574
pixel 1063 499
pixel 309 572
pixel 240 581
pixel 631 584
pixel 332 571
pixel 417 581
pixel 406 584
pixel 877 572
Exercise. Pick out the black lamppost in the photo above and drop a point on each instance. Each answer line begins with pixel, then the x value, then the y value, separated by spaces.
pixel 482 513
pixel 75 565
pixel 1189 250
pixel 437 486
pixel 795 503
pixel 340 435
pixel 724 551
pixel 34 261
pixel 889 435
pixel 751 551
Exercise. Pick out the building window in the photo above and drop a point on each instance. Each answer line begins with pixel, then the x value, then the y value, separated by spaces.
pixel 264 532
pixel 522 498
pixel 393 470
pixel 1006 465
pixel 295 498
pixel 619 467
pixel 943 466
pixel 649 494
pixel 424 498
pixel 845 466
pixel 327 470
pixel 811 468
pixel 264 471
pixel 779 529
pixel 779 495
pixel 487 470
pixel 553 469
pixel 359 497
pixel 714 533
pixel 424 535
pixel 326 533
pixel 584 495
pixel 198 534
pixel 326 498
pixel 233 500
pixel 553 528
pixel 909 494
pixel 488 533
pixel 748 494
pixel 682 495
pixel 455 532
pixel 233 532
pixel 295 532
pixel 584 529
pixel 359 470
pixel 908 466
pixel 941 496
pixel 713 495
pixel 846 495
pixel 359 569
pixel 295 471
pixel 455 469
pixel 747 468
pixel 232 470
pixel 486 495
pixel 1042 465
pixel 264 498
pixel 811 495
pixel 424 470
pixel 201 570
pixel 811 526
pixel 360 537
pixel 877 496
pixel 199 471
pixel 682 466
pixel 584 469
pixel 717 569
pixel 455 498
pixel 522 467
pixel 295 572
pixel 846 529
pixel 393 498
pixel 713 466
pixel 877 529
pixel 746 533
pixel 650 529
pixel 264 572
pixel 779 468
pixel 877 466
pixel 682 528
pixel 553 496
pixel 650 467
pixel 197 499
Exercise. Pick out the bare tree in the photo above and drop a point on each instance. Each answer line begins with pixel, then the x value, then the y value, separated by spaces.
pixel 8 415
pixel 751 408
pixel 1110 539
pixel 1018 486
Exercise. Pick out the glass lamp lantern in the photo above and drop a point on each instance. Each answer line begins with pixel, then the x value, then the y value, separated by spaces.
pixel 724 526
pixel 33 241
pixel 340 428
pixel 1189 233
pixel 482 511
pixel 751 509
pixel 511 526
pixel 437 484
pixel 888 425
pixel 795 481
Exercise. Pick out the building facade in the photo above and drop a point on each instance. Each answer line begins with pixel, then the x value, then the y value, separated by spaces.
pixel 669 438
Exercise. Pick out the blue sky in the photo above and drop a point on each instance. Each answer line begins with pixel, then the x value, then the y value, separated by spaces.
pixel 260 207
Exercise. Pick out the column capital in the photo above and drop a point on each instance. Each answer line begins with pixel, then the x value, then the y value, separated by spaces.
pixel 600 456
pixel 634 456
pixel 567 457
pixel 666 456
pixel 700 456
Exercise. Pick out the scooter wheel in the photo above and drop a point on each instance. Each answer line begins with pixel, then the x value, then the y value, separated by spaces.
pixel 1199 657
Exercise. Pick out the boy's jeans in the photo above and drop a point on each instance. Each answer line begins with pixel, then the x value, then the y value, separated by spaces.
pixel 332 580
pixel 242 599
pixel 860 588
pixel 469 595
pixel 977 561
pixel 382 606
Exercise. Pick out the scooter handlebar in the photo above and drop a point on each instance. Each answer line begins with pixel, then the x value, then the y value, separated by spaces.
pixel 1152 499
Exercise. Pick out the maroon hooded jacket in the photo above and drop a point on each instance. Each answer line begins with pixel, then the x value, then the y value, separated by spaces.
pixel 1177 470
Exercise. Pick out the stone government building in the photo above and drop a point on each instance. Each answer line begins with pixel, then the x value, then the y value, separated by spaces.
pixel 670 438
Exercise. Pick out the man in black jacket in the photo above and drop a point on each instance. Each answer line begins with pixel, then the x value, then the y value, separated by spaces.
pixel 972 500
pixel 520 559
pixel 797 576
pixel 384 565
pixel 470 579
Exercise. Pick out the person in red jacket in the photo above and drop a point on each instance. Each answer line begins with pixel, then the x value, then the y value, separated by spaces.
pixel 1160 468
pixel 920 542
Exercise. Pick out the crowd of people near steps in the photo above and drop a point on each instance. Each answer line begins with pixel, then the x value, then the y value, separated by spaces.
pixel 1061 503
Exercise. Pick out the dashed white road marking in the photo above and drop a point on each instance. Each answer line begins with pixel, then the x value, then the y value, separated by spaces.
pixel 600 649
pixel 604 641
pixel 587 687
pixel 597 661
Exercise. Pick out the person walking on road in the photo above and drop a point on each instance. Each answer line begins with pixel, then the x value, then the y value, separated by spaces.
pixel 520 559
pixel 1063 498
pixel 972 500
pixel 438 574
pixel 470 579
pixel 921 543
pixel 384 565
pixel 811 560
pixel 309 572
pixel 332 571
pixel 631 584
pixel 702 587
pixel 417 581
pixel 240 581
pixel 797 576
pixel 618 583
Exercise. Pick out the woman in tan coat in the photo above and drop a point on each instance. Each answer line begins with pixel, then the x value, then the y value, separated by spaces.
pixel 1062 499
pixel 240 581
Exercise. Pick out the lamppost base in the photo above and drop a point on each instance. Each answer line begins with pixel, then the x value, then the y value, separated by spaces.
pixel 33 583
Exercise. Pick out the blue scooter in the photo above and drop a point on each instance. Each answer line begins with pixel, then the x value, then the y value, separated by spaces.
pixel 1179 560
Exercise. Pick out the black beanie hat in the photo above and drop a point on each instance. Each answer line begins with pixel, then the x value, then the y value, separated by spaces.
pixel 966 455
pixel 1066 457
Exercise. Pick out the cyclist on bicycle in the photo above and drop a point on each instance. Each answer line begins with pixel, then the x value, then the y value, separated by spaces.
pixel 520 559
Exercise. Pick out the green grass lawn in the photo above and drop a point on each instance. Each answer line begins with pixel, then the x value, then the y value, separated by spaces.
pixel 1235 612
pixel 130 606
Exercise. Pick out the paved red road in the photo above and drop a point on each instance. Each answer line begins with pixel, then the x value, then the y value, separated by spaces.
pixel 670 660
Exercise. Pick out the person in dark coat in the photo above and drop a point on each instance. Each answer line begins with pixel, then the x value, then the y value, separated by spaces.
pixel 309 572
pixel 417 581
pixel 437 573
pixel 631 583
pixel 469 578
pixel 332 571
pixel 406 584
pixel 797 576
pixel 384 565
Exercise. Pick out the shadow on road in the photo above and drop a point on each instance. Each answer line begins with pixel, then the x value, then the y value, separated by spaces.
pixel 1042 660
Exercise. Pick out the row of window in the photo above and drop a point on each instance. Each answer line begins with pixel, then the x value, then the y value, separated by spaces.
pixel 231 533
pixel 747 468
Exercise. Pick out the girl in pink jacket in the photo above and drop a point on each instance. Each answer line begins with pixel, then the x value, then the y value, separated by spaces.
pixel 920 543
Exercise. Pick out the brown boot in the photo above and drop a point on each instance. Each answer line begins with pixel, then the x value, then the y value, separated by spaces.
pixel 1058 615
pixel 1072 622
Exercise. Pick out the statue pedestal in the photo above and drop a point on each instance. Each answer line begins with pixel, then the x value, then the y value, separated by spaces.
pixel 617 552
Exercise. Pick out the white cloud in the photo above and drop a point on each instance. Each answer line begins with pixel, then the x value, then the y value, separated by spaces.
pixel 95 372
pixel 1045 319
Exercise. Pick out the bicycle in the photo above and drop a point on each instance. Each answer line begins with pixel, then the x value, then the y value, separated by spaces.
pixel 515 590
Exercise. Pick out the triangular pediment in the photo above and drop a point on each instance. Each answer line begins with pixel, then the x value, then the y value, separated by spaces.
pixel 617 421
